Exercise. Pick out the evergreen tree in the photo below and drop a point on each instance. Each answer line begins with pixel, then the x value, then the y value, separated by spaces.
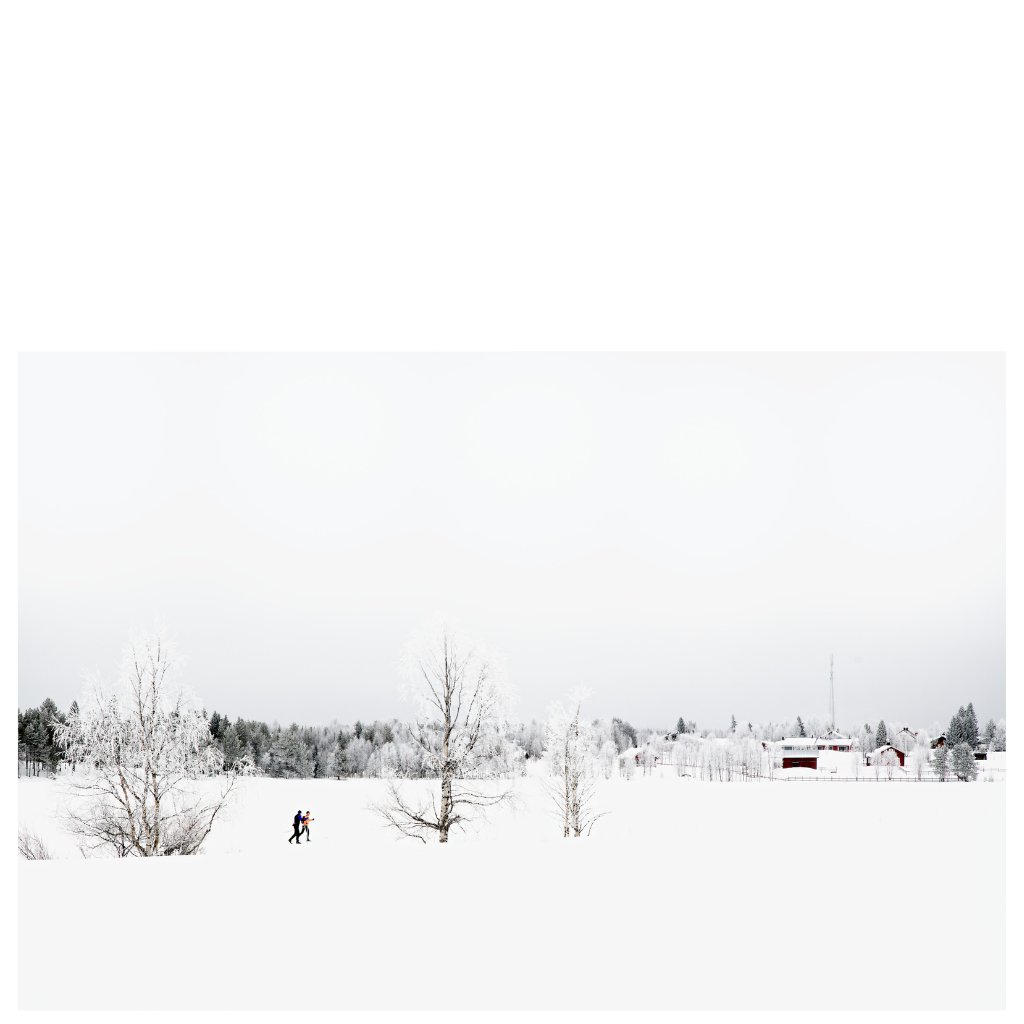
pixel 941 763
pixel 999 736
pixel 989 733
pixel 230 745
pixel 732 728
pixel 681 725
pixel 880 734
pixel 959 728
pixel 964 766
pixel 215 727
pixel 50 717
pixel 971 727
pixel 800 726
pixel 32 746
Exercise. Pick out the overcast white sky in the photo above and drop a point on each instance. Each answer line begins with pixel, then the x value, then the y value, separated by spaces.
pixel 687 535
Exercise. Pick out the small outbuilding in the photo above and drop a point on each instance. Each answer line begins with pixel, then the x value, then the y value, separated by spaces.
pixel 877 754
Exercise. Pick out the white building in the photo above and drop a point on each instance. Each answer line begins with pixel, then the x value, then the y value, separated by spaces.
pixel 799 752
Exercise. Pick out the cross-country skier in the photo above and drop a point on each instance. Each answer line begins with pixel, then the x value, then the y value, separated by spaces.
pixel 297 824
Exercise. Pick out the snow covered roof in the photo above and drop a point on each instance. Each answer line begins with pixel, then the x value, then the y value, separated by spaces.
pixel 800 743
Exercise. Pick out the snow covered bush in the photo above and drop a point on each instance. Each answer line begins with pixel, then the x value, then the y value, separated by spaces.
pixel 142 748
pixel 941 763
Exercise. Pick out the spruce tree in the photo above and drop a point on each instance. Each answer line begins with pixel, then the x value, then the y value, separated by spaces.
pixel 964 766
pixel 50 718
pixel 231 747
pixel 732 727
pixel 971 727
pixel 957 728
pixel 800 726
pixel 941 763
pixel 681 725
pixel 880 735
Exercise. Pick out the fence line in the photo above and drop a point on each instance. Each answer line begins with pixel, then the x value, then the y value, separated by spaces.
pixel 824 776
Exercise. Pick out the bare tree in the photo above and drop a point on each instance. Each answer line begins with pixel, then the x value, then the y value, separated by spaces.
pixel 462 726
pixel 31 847
pixel 890 762
pixel 143 749
pixel 568 742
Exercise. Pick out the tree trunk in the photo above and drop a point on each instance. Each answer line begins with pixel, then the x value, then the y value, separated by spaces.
pixel 446 802
pixel 446 780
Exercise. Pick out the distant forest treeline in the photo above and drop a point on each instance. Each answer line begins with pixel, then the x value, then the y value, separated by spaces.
pixel 383 748
pixel 304 752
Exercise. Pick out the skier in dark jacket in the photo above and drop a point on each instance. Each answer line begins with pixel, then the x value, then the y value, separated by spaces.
pixel 297 823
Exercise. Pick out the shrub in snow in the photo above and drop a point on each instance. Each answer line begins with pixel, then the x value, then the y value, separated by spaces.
pixel 30 846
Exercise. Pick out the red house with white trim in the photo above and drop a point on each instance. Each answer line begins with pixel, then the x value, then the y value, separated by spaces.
pixel 799 752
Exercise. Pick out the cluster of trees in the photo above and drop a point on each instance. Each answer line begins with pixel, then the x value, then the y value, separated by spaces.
pixel 38 750
pixel 381 749
pixel 963 728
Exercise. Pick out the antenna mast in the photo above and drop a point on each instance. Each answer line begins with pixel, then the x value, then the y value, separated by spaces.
pixel 831 695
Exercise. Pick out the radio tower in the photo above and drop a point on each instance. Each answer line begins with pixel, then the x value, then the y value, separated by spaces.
pixel 831 695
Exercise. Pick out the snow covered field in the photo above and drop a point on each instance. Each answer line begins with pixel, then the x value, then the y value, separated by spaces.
pixel 687 895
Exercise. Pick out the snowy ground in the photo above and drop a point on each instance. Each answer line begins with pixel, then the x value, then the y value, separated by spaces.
pixel 687 895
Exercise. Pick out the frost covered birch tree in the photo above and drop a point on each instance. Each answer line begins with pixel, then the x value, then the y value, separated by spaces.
pixel 462 726
pixel 572 781
pixel 142 748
